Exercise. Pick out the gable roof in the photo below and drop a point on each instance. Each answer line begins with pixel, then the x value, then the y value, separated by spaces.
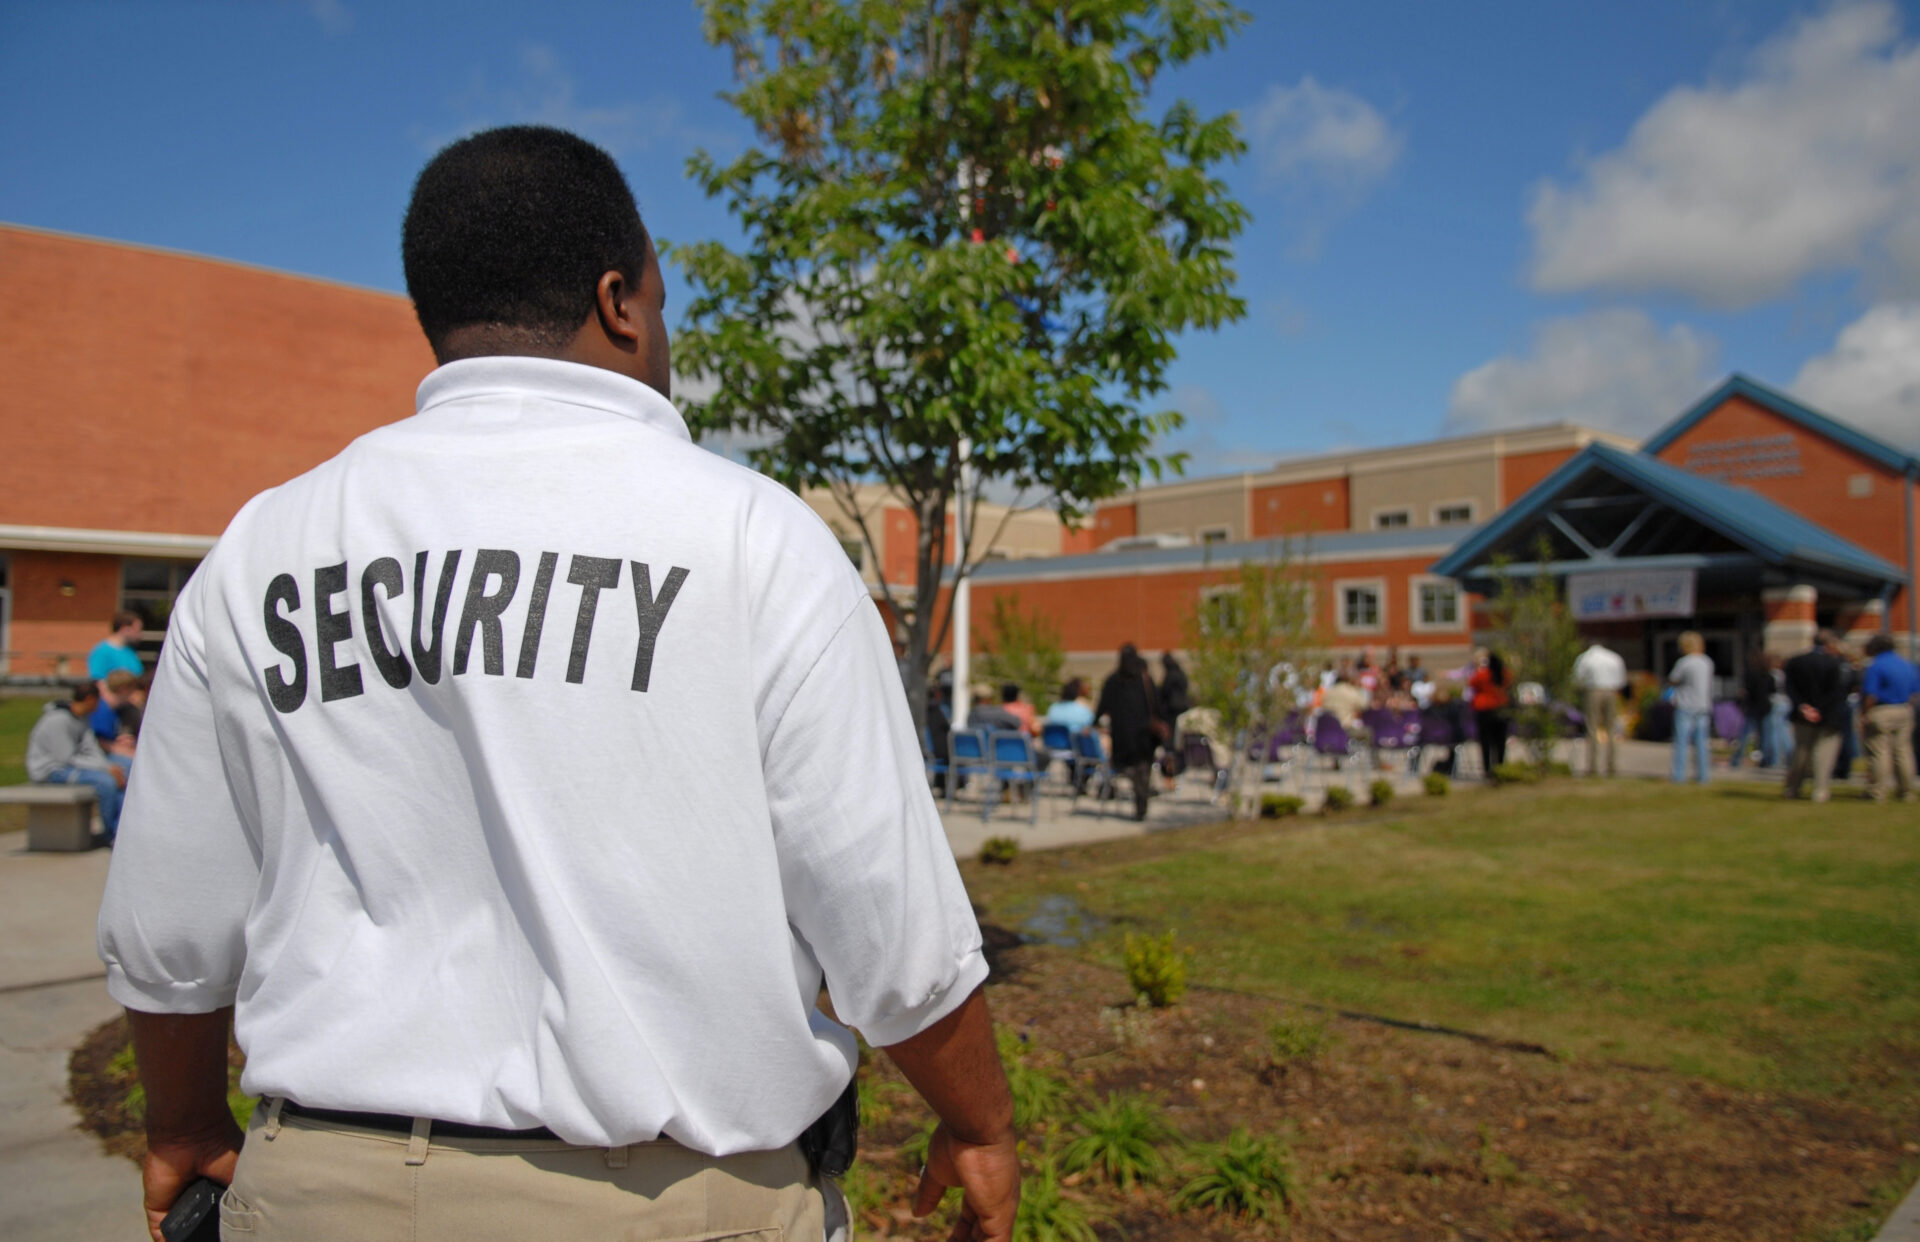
pixel 1774 535
pixel 1738 385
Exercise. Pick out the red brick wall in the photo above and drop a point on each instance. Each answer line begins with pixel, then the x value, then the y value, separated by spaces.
pixel 1520 471
pixel 1112 522
pixel 1820 491
pixel 1151 610
pixel 1302 508
pixel 900 540
pixel 1074 542
pixel 192 384
pixel 47 625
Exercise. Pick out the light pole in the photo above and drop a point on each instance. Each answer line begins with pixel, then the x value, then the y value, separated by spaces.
pixel 962 593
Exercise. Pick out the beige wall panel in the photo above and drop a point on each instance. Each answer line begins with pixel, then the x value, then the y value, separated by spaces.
pixel 1419 488
pixel 1190 514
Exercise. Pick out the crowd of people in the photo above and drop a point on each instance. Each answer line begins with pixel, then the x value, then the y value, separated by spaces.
pixel 89 737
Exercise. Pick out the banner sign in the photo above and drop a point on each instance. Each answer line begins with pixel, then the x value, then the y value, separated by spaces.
pixel 1627 595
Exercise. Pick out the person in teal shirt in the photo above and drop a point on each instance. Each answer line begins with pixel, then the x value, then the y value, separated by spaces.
pixel 116 650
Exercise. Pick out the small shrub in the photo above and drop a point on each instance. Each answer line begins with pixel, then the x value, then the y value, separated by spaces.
pixel 1339 798
pixel 1279 806
pixel 1514 772
pixel 1000 850
pixel 1380 792
pixel 1130 1026
pixel 1120 1141
pixel 1156 969
pixel 1038 1095
pixel 865 1188
pixel 1292 1043
pixel 1243 1176
pixel 1437 784
pixel 1556 767
pixel 1047 1213
pixel 914 1150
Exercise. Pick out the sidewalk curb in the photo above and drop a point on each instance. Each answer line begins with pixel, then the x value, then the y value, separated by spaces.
pixel 1904 1224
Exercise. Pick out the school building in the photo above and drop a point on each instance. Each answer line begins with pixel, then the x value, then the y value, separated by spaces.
pixel 140 421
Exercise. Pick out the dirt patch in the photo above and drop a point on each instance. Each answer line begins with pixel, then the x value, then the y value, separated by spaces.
pixel 1395 1134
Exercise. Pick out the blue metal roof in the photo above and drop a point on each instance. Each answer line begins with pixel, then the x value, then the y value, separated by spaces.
pixel 1774 535
pixel 1738 385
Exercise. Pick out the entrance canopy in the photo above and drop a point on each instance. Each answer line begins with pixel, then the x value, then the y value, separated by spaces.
pixel 1608 510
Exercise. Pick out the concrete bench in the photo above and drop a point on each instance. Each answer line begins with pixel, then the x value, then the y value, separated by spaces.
pixel 59 817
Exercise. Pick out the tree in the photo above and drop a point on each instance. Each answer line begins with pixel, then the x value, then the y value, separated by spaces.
pixel 1535 632
pixel 965 241
pixel 1023 648
pixel 1252 646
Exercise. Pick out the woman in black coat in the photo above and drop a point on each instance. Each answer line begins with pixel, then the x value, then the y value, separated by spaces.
pixel 1128 704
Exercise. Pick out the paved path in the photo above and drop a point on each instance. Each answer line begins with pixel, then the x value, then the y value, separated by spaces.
pixel 55 1182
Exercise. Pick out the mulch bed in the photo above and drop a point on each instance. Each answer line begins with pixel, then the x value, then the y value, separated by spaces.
pixel 1395 1134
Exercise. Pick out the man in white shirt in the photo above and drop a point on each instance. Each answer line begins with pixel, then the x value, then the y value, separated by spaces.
pixel 1602 675
pixel 515 780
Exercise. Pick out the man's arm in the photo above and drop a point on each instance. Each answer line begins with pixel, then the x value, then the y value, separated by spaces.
pixel 955 1067
pixel 190 1131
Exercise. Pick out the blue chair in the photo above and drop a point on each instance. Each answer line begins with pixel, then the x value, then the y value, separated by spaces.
pixel 936 764
pixel 1056 742
pixel 1090 764
pixel 966 752
pixel 1013 766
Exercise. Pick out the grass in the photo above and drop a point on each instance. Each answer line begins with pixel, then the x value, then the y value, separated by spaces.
pixel 16 721
pixel 1720 932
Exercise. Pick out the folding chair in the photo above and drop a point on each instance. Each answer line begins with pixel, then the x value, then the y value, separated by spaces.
pixel 1012 755
pixel 1090 764
pixel 1330 741
pixel 1056 741
pixel 966 752
pixel 1198 753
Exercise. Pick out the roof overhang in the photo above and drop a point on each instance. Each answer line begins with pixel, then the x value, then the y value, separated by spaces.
pixel 105 542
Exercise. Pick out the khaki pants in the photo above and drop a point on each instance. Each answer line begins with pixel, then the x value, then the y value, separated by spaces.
pixel 300 1178
pixel 1603 727
pixel 1814 749
pixel 1888 733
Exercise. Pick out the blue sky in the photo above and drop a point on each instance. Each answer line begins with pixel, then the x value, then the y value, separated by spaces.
pixel 1464 217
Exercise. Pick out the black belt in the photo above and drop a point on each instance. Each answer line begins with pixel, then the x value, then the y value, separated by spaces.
pixel 404 1125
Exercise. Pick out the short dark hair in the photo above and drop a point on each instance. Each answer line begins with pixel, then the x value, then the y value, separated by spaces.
pixel 513 228
pixel 123 618
pixel 1880 644
pixel 82 691
pixel 1010 692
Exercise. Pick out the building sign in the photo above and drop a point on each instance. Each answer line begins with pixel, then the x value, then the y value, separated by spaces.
pixel 1749 457
pixel 1630 594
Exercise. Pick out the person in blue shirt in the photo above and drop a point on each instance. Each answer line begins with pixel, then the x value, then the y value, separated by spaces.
pixel 116 650
pixel 1887 693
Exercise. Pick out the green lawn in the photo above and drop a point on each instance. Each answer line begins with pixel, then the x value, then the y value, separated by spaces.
pixel 16 721
pixel 1718 932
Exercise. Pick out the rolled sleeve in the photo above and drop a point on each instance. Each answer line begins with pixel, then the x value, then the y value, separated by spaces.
pixel 185 868
pixel 868 877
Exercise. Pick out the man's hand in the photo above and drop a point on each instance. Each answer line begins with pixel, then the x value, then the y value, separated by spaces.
pixel 119 776
pixel 1809 713
pixel 173 1166
pixel 955 1067
pixel 190 1131
pixel 988 1176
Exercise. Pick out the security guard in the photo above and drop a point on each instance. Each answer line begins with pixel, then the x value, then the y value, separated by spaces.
pixel 516 779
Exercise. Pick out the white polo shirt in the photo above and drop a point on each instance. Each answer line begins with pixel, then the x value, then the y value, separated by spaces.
pixel 527 765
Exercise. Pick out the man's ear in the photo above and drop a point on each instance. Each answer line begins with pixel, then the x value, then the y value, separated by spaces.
pixel 617 304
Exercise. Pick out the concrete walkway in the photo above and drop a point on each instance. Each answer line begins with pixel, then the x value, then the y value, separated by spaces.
pixel 55 1182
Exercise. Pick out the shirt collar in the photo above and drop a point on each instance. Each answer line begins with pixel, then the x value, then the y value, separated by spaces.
pixel 552 379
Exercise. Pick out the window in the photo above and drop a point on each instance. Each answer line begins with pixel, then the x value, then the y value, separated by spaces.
pixel 1219 609
pixel 1391 519
pixel 1362 606
pixel 1436 605
pixel 1453 513
pixel 150 587
pixel 1215 534
pixel 855 549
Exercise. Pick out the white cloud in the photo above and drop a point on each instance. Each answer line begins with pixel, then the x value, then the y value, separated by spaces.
pixel 1611 369
pixel 1324 149
pixel 1207 436
pixel 334 17
pixel 1732 192
pixel 1871 376
pixel 542 92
